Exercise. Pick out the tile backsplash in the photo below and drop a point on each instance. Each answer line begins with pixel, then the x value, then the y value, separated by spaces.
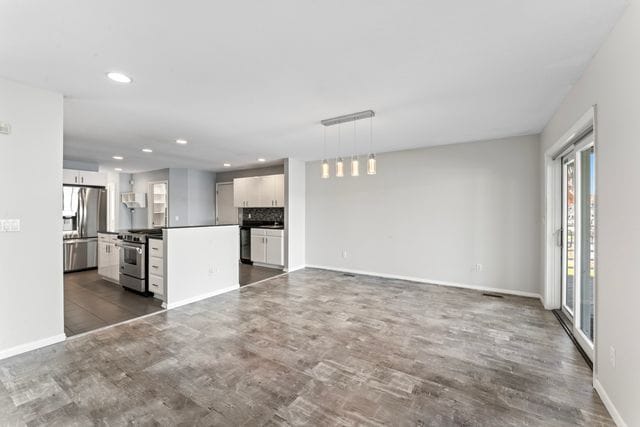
pixel 263 214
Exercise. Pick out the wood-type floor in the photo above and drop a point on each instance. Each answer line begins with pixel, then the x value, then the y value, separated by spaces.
pixel 314 348
pixel 254 273
pixel 92 303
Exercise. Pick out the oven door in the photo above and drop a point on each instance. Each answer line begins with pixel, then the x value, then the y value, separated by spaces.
pixel 132 260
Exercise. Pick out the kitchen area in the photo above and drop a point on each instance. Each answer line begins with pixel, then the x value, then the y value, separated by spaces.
pixel 107 273
pixel 115 227
pixel 255 200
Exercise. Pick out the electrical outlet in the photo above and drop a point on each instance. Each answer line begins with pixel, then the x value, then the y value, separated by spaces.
pixel 476 268
pixel 344 253
pixel 612 356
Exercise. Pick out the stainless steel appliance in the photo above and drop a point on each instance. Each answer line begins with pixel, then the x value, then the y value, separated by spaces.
pixel 84 215
pixel 134 258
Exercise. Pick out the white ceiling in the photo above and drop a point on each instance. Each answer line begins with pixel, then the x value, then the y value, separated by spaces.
pixel 248 79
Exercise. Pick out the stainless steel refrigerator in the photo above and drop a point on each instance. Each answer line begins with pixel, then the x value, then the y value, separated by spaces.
pixel 84 214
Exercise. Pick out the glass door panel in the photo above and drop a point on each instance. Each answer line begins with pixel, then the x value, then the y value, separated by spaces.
pixel 578 241
pixel 568 236
pixel 585 310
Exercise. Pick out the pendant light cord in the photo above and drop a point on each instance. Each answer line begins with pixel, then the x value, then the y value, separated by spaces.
pixel 355 150
pixel 370 135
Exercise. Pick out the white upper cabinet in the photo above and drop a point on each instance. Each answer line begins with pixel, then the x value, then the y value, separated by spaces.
pixel 259 191
pixel 76 177
pixel 278 191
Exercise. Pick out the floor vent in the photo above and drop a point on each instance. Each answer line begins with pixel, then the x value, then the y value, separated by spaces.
pixel 486 294
pixel 349 275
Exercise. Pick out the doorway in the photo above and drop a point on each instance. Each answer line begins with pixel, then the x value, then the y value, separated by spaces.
pixel 226 213
pixel 577 243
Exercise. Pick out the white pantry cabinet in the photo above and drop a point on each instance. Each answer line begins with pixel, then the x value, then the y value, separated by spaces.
pixel 77 177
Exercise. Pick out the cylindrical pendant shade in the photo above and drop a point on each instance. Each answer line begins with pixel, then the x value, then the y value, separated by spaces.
pixel 355 167
pixel 339 167
pixel 371 164
pixel 325 169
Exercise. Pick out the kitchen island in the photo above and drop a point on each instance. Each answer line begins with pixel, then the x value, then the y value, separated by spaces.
pixel 199 262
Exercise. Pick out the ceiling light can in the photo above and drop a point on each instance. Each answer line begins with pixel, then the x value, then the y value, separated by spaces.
pixel 119 77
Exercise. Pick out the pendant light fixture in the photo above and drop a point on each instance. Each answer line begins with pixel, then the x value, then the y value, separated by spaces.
pixel 371 161
pixel 355 162
pixel 339 161
pixel 355 167
pixel 325 163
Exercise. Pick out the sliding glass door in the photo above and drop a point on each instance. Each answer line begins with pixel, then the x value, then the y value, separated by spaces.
pixel 578 241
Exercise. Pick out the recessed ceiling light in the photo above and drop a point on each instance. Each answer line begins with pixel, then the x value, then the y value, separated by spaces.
pixel 226 165
pixel 261 160
pixel 181 141
pixel 118 157
pixel 147 150
pixel 119 77
pixel 118 169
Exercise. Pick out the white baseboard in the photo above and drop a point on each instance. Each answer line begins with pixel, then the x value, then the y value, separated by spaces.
pixel 431 281
pixel 297 267
pixel 33 345
pixel 608 404
pixel 186 301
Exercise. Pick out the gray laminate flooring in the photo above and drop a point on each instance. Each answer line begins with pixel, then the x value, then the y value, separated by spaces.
pixel 314 348
pixel 92 303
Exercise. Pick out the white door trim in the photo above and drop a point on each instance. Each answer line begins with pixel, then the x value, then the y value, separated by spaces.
pixel 552 220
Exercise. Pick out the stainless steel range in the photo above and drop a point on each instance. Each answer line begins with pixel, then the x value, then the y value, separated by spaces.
pixel 134 258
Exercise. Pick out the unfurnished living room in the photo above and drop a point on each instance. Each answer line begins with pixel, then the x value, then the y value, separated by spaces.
pixel 298 212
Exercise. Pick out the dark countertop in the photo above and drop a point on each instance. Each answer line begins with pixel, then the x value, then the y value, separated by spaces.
pixel 108 232
pixel 157 237
pixel 267 227
pixel 199 226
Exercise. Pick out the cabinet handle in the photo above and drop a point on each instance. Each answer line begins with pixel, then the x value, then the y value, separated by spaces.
pixel 82 179
pixel 75 178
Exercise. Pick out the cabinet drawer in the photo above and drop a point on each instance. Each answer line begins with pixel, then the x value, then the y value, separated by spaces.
pixel 156 248
pixel 258 232
pixel 274 233
pixel 156 266
pixel 156 284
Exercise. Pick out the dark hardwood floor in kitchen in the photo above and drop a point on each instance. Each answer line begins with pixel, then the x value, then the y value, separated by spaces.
pixel 314 348
pixel 253 273
pixel 91 303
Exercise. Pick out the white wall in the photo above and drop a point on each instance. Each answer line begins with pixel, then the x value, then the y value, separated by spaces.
pixel 612 81
pixel 202 197
pixel 295 214
pixel 431 214
pixel 200 262
pixel 31 289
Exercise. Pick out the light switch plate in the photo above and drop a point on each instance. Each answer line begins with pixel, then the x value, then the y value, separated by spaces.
pixel 5 128
pixel 9 225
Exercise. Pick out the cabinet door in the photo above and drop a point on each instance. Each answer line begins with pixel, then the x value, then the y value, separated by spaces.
pixel 266 186
pixel 258 249
pixel 254 192
pixel 278 190
pixel 114 262
pixel 103 259
pixel 70 176
pixel 274 250
pixel 239 192
pixel 92 178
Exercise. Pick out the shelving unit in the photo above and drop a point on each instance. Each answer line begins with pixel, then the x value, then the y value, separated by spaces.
pixel 134 200
pixel 159 204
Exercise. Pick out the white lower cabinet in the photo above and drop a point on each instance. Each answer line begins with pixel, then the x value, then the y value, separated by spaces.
pixel 156 267
pixel 267 246
pixel 258 245
pixel 108 257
